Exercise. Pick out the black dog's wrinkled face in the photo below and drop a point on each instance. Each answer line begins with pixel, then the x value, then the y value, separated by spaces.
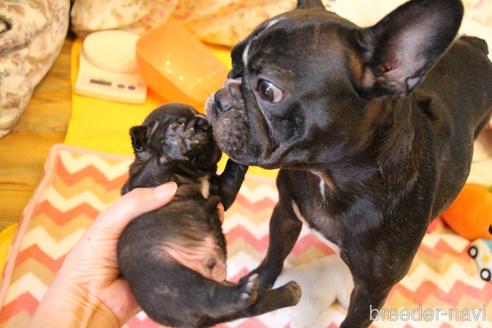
pixel 172 138
pixel 269 111
pixel 301 81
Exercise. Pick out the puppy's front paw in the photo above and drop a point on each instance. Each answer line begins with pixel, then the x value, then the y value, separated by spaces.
pixel 200 132
pixel 184 137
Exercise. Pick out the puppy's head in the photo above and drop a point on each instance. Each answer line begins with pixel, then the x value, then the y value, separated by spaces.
pixel 302 83
pixel 173 139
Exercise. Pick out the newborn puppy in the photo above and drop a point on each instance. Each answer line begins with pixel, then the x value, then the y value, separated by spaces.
pixel 174 257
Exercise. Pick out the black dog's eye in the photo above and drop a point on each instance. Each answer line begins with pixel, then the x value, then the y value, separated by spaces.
pixel 269 91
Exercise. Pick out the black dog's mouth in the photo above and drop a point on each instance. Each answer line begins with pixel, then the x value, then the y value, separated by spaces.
pixel 238 140
pixel 232 131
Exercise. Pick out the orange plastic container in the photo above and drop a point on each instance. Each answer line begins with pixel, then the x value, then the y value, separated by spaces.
pixel 178 67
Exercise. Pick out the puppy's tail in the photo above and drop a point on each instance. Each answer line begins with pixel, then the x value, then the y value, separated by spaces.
pixel 476 43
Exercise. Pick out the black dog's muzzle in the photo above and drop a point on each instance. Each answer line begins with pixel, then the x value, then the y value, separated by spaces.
pixel 225 98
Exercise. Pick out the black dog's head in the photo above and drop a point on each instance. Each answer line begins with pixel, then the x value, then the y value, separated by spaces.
pixel 302 83
pixel 173 139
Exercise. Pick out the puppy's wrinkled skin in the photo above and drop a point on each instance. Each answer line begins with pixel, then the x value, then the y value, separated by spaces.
pixel 372 128
pixel 174 258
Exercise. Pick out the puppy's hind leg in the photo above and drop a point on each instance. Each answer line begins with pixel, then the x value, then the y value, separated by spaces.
pixel 231 301
pixel 267 300
pixel 172 294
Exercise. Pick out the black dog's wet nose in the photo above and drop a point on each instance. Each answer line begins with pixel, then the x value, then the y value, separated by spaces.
pixel 222 103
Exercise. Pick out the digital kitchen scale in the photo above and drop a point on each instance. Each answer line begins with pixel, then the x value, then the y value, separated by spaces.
pixel 108 68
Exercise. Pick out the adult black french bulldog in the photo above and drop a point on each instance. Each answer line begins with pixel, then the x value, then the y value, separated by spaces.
pixel 369 150
pixel 174 257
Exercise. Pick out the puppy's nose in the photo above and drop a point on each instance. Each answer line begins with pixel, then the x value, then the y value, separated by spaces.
pixel 222 103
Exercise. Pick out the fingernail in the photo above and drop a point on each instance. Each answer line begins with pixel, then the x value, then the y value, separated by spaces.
pixel 165 190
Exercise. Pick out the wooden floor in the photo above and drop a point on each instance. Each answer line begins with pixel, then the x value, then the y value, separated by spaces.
pixel 23 152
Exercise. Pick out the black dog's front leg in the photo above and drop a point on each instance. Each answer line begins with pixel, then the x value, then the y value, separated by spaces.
pixel 230 182
pixel 285 228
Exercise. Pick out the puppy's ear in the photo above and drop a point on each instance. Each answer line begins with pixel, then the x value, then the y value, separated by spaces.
pixel 309 4
pixel 398 51
pixel 139 138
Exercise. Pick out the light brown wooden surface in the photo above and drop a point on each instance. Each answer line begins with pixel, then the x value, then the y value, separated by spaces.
pixel 23 152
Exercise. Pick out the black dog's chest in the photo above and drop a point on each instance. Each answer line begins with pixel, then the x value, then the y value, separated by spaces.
pixel 310 206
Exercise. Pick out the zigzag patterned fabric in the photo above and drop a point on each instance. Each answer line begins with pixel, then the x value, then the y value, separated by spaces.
pixel 78 184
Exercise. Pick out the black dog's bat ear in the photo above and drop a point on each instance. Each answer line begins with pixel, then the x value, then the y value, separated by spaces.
pixel 398 51
pixel 237 61
pixel 139 138
pixel 309 4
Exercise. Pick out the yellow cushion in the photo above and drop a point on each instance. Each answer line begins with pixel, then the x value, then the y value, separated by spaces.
pixel 6 238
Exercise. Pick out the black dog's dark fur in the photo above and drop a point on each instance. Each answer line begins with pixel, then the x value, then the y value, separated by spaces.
pixel 373 130
pixel 175 144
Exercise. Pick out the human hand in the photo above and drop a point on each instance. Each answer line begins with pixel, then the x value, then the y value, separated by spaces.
pixel 88 286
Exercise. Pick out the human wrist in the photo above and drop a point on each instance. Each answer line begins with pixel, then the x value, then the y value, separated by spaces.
pixel 72 306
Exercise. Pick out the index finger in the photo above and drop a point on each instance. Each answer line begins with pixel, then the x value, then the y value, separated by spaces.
pixel 137 202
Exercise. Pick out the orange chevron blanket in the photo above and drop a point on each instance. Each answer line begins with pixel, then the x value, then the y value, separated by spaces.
pixel 78 184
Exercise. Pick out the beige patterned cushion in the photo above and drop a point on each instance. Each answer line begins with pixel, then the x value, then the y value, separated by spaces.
pixel 132 15
pixel 31 36
pixel 223 22
pixel 479 10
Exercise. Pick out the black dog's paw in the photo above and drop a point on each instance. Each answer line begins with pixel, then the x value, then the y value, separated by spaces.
pixel 266 278
pixel 184 137
pixel 249 290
